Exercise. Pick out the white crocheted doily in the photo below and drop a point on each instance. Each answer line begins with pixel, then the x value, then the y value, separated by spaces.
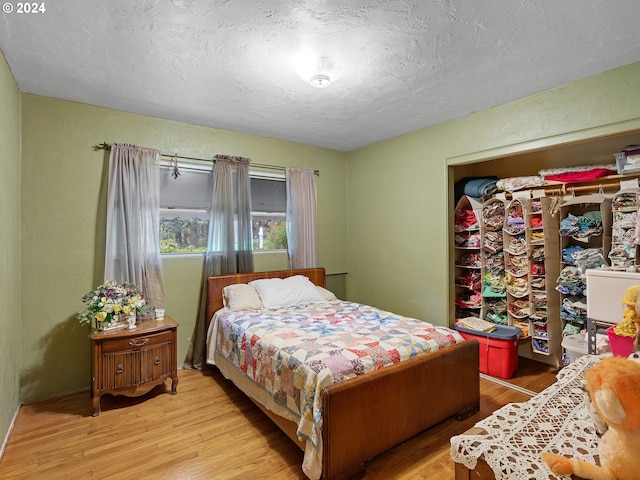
pixel 556 420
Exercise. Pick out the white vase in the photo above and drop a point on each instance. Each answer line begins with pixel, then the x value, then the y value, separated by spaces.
pixel 131 321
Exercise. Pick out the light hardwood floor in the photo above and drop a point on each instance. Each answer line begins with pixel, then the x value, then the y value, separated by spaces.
pixel 209 430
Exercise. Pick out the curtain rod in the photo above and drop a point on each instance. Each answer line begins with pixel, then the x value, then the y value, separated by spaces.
pixel 107 146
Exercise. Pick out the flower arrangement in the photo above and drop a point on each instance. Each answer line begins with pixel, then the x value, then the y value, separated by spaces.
pixel 109 300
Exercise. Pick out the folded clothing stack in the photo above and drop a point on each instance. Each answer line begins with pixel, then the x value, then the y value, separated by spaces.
pixel 578 174
pixel 475 187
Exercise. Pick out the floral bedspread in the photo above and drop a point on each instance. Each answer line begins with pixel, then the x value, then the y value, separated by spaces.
pixel 293 353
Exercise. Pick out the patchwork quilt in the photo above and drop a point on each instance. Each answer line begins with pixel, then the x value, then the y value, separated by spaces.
pixel 293 353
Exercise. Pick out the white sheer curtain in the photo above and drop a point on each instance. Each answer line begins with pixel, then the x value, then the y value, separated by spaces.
pixel 302 235
pixel 229 245
pixel 133 213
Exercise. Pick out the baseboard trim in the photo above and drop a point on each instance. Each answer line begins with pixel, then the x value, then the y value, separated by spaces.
pixel 9 430
pixel 53 397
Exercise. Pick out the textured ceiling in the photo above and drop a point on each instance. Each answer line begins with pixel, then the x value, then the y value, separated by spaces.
pixel 228 63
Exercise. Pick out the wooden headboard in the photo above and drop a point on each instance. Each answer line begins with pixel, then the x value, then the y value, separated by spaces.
pixel 217 283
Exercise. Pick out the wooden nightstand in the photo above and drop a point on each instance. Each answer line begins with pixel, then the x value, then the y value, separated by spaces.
pixel 132 362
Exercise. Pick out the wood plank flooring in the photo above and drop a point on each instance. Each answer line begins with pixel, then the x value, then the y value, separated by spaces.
pixel 209 430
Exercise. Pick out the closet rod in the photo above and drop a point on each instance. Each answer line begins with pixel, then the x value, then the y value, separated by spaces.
pixel 107 146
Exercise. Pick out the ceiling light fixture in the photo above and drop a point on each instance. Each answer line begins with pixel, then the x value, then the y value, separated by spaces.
pixel 320 81
pixel 320 72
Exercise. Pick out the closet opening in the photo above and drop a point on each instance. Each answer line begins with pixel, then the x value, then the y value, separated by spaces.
pixel 529 297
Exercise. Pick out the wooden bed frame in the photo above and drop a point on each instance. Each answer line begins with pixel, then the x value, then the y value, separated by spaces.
pixel 396 405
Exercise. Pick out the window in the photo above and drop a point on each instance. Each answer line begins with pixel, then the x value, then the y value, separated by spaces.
pixel 268 213
pixel 184 210
pixel 185 202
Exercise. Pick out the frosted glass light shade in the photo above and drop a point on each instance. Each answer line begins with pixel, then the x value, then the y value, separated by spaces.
pixel 319 71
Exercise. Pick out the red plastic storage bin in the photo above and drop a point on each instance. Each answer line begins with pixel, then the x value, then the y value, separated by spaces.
pixel 620 346
pixel 498 350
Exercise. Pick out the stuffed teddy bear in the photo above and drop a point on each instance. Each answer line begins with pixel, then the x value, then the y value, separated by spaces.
pixel 614 387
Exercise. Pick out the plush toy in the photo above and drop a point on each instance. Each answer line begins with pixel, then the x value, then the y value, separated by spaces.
pixel 601 427
pixel 614 387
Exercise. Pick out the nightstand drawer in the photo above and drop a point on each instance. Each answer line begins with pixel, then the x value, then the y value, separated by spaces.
pixel 119 370
pixel 156 361
pixel 135 342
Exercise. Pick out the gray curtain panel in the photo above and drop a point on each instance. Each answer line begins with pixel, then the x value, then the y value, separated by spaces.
pixel 229 245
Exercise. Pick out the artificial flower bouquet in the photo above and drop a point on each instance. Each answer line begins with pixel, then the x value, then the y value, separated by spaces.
pixel 107 304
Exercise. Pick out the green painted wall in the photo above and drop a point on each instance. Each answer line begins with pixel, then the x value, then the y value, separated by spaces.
pixel 398 189
pixel 10 341
pixel 63 215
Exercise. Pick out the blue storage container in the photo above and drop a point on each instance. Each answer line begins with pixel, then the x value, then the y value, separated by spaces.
pixel 505 332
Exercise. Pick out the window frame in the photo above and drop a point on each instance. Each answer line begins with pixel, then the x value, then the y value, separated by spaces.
pixel 207 168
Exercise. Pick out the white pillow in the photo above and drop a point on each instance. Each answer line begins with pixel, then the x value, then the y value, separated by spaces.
pixel 287 292
pixel 328 295
pixel 241 296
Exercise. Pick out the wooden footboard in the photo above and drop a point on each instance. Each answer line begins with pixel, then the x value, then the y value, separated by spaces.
pixel 369 414
pixel 401 406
